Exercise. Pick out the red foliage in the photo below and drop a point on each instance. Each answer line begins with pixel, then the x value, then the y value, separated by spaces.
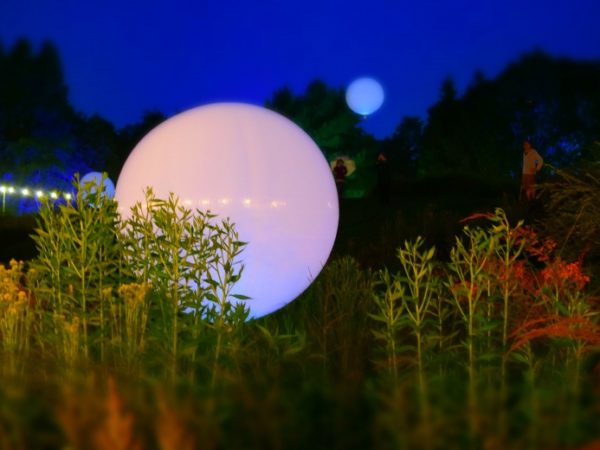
pixel 462 290
pixel 564 275
pixel 527 279
pixel 578 328
pixel 595 445
pixel 533 245
pixel 476 216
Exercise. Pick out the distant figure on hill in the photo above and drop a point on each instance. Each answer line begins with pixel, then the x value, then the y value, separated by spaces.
pixel 532 163
pixel 383 178
pixel 339 173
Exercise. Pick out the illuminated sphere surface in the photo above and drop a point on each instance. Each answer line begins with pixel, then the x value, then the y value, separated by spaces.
pixel 257 168
pixel 364 96
pixel 96 178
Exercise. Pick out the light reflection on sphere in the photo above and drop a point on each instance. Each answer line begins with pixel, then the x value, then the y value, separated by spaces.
pixel 257 168
pixel 364 96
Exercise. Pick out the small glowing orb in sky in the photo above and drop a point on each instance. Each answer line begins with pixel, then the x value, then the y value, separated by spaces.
pixel 257 168
pixel 364 96
pixel 96 178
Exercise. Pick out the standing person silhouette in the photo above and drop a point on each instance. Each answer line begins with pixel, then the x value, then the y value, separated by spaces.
pixel 532 163
pixel 339 173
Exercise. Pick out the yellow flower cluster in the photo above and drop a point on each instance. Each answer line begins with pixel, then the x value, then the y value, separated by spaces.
pixel 13 307
pixel 9 277
pixel 133 294
pixel 69 327
pixel 11 291
pixel 72 328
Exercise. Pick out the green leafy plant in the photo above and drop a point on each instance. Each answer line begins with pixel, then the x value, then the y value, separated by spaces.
pixel 467 277
pixel 388 314
pixel 189 264
pixel 333 309
pixel 78 256
pixel 103 282
pixel 421 285
pixel 505 327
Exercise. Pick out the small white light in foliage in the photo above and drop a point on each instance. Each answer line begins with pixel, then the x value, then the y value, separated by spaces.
pixel 96 179
pixel 257 168
pixel 364 96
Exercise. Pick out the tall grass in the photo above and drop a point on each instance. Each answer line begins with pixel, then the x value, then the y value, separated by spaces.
pixel 493 349
pixel 504 304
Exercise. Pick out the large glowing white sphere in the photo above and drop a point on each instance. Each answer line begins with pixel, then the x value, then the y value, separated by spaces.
pixel 96 178
pixel 364 96
pixel 257 168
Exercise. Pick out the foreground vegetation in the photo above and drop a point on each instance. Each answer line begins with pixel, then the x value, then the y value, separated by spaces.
pixel 106 344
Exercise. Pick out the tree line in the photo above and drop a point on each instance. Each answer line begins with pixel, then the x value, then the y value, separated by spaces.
pixel 43 138
pixel 553 101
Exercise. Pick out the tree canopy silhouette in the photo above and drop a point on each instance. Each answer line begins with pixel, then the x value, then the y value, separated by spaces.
pixel 43 139
pixel 322 112
pixel 555 102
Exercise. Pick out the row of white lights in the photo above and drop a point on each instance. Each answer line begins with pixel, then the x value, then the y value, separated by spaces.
pixel 38 193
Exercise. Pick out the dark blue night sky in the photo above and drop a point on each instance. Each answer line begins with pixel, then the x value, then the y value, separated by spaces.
pixel 122 58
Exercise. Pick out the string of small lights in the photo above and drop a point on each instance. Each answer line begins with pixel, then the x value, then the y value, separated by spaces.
pixel 26 192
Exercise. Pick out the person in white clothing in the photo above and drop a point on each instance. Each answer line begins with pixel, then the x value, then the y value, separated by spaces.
pixel 532 163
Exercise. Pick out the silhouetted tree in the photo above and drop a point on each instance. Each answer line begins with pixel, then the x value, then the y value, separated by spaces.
pixel 554 102
pixel 404 146
pixel 52 113
pixel 443 149
pixel 322 112
pixel 43 140
pixel 96 138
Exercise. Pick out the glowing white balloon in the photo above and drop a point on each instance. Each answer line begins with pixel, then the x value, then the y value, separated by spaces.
pixel 261 170
pixel 364 96
pixel 96 178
